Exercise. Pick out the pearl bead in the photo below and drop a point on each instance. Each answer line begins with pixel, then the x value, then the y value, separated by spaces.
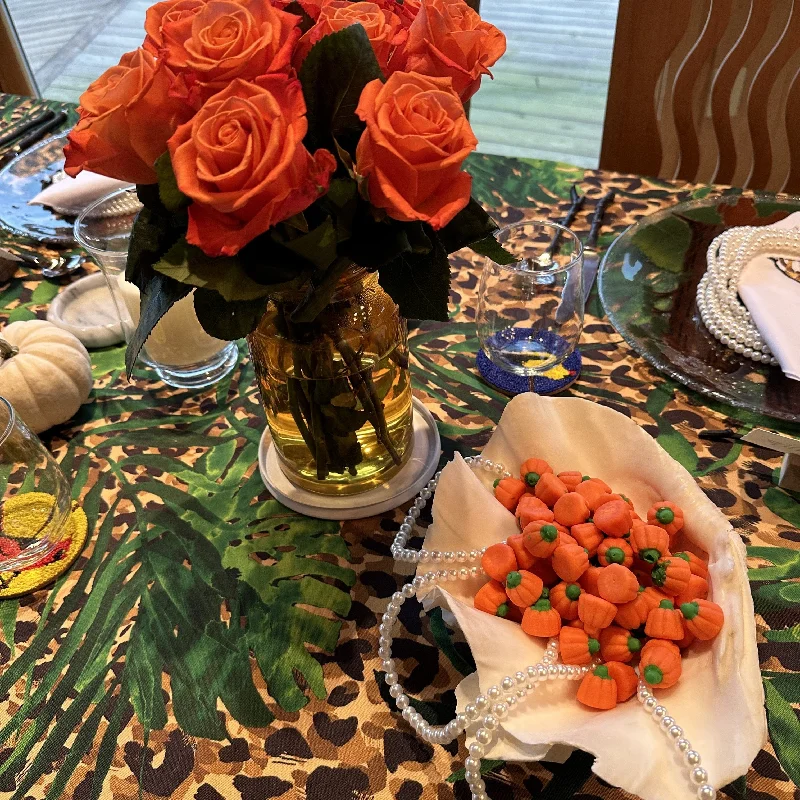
pixel 511 701
pixel 500 710
pixel 541 672
pixel 471 712
pixel 507 684
pixel 408 590
pixel 474 555
pixel 698 775
pixel 483 736
pixel 481 702
pixel 408 712
pixel 490 722
pixel 472 775
pixel 666 723
pixel 562 671
pixel 675 732
pixel 649 704
pixel 659 712
pixel 461 720
pixel 493 692
pixel 692 758
pixel 402 702
pixel 472 764
pixel 706 792
pixel 683 745
pixel 396 690
pixel 391 678
pixel 476 750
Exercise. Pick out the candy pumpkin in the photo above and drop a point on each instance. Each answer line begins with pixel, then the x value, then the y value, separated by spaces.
pixel 570 561
pixel 588 536
pixel 524 559
pixel 549 488
pixel 696 588
pixel 588 580
pixel 660 664
pixel 498 560
pixel 570 479
pixel 541 620
pixel 571 509
pixel 613 518
pixel 671 575
pixel 544 569
pixel 490 597
pixel 626 679
pixel 617 584
pixel 508 491
pixel 576 646
pixel 533 469
pixel 564 599
pixel 597 689
pixel 703 618
pixel 634 614
pixel 649 542
pixel 532 509
pixel 614 551
pixel 540 538
pixel 592 491
pixel 666 515
pixel 696 564
pixel 664 622
pixel 594 612
pixel 618 644
pixel 523 588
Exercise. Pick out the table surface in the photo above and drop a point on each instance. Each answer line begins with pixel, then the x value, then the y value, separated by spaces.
pixel 127 675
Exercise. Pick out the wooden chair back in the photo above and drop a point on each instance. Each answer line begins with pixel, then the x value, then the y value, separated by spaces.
pixel 708 91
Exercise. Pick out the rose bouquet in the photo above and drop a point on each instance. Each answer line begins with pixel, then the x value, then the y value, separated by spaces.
pixel 278 146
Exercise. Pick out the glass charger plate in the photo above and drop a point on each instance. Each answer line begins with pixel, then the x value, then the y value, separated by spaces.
pixel 648 285
pixel 22 179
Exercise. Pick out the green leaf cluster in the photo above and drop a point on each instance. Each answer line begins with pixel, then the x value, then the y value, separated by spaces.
pixel 307 254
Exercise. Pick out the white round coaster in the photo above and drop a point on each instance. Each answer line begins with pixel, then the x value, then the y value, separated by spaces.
pixel 86 309
pixel 401 488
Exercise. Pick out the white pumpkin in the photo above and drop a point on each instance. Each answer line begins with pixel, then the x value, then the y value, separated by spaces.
pixel 45 373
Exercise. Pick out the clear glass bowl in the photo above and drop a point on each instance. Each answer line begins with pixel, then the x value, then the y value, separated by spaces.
pixel 34 494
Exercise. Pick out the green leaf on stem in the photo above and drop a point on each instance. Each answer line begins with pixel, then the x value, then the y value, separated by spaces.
pixel 319 294
pixel 227 319
pixel 335 71
pixel 189 264
pixel 317 246
pixel 159 294
pixel 169 193
pixel 306 21
pixel 375 243
pixel 148 241
pixel 473 227
pixel 419 283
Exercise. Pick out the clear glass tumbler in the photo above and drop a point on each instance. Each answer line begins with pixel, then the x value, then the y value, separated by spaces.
pixel 179 350
pixel 34 495
pixel 530 313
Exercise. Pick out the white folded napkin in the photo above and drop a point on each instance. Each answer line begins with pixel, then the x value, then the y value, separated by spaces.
pixel 773 300
pixel 718 700
pixel 71 195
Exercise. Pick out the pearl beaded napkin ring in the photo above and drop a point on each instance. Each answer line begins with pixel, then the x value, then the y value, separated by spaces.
pixel 486 712
pixel 723 313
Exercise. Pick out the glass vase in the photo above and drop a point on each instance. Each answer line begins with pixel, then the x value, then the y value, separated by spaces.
pixel 337 391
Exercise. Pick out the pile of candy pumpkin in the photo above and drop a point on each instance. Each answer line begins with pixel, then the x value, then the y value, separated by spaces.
pixel 588 569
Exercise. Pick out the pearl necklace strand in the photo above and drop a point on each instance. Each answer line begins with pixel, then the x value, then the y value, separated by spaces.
pixel 487 711
pixel 723 313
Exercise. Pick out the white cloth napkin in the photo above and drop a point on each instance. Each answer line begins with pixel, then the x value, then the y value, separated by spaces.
pixel 773 300
pixel 718 701
pixel 72 195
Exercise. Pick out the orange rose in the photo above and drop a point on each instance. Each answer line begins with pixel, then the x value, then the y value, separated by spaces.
pixel 243 162
pixel 416 140
pixel 127 116
pixel 384 28
pixel 449 40
pixel 175 13
pixel 311 7
pixel 224 40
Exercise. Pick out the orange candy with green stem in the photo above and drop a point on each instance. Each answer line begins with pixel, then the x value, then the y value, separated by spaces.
pixel 588 536
pixel 634 614
pixel 649 542
pixel 592 491
pixel 696 588
pixel 665 622
pixel 490 597
pixel 613 518
pixel 617 584
pixel 524 559
pixel 614 551
pixel 576 647
pixel 598 690
pixel 702 618
pixel 541 620
pixel 570 561
pixel 570 479
pixel 617 644
pixel 564 599
pixel 671 575
pixel 540 538
pixel 532 469
pixel 508 491
pixel 666 515
pixel 523 588
pixel 498 560
pixel 594 612
pixel 549 488
pixel 696 564
pixel 571 509
pixel 626 679
pixel 660 664
pixel 532 509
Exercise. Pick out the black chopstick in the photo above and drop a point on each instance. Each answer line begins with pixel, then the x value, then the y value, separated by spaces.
pixel 19 128
pixel 569 217
pixel 33 137
pixel 597 218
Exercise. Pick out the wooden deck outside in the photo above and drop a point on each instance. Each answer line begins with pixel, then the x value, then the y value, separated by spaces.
pixel 547 99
